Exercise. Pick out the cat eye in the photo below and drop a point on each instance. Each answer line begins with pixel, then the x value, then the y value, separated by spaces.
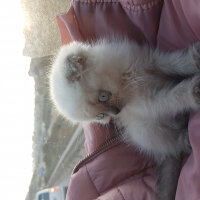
pixel 100 116
pixel 104 96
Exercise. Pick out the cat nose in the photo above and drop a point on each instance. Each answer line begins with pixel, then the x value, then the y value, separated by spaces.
pixel 112 110
pixel 116 110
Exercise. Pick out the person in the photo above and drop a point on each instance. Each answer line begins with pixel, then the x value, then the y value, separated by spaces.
pixel 114 170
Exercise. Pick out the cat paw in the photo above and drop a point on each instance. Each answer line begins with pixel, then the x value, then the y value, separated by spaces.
pixel 196 54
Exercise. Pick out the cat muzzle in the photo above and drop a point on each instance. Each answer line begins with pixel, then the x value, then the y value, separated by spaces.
pixel 112 110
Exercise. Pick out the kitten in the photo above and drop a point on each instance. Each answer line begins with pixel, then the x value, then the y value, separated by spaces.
pixel 147 92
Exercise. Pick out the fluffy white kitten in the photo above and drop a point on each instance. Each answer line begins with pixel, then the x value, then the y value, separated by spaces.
pixel 149 93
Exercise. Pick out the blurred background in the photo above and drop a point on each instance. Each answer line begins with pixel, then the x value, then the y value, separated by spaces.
pixel 57 145
pixel 39 149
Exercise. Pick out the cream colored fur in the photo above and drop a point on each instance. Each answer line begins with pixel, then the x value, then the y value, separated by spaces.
pixel 146 90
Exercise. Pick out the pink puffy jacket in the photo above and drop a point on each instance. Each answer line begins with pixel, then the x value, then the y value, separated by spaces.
pixel 113 170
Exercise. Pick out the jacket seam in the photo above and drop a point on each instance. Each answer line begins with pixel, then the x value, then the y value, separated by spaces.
pixel 119 191
pixel 91 180
pixel 143 6
pixel 128 5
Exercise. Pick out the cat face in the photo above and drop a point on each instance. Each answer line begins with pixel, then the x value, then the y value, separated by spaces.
pixel 84 85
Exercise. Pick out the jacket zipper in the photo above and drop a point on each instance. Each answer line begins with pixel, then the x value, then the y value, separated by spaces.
pixel 105 146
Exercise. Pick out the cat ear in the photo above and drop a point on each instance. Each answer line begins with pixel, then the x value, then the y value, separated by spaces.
pixel 75 67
